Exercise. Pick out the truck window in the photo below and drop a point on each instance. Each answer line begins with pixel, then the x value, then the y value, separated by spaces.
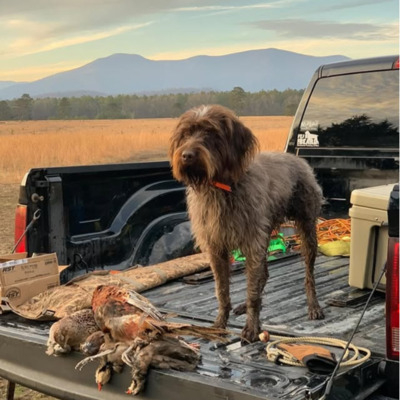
pixel 355 110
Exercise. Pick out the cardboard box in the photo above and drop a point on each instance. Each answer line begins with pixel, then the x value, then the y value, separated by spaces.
pixel 19 293
pixel 22 278
pixel 369 235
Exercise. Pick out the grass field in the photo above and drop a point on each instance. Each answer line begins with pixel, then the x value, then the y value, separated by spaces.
pixel 29 144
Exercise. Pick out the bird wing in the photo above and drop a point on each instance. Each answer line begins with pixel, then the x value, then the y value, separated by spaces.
pixel 143 304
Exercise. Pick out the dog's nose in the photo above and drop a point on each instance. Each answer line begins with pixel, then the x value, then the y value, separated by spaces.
pixel 188 156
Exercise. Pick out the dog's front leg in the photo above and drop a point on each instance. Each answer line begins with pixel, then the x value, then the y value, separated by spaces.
pixel 257 276
pixel 220 265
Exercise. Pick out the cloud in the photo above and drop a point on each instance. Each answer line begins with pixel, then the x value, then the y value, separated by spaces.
pixel 73 16
pixel 213 7
pixel 296 28
pixel 43 25
pixel 37 24
pixel 356 3
pixel 91 11
pixel 87 38
pixel 37 38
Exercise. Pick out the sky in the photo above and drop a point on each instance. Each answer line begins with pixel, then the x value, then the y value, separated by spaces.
pixel 44 37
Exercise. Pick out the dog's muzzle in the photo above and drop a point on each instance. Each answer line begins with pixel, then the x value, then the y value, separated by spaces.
pixel 192 165
pixel 188 157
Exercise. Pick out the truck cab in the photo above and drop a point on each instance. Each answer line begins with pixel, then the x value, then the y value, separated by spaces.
pixel 347 127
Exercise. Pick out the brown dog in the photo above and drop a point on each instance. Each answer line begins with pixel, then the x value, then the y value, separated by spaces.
pixel 236 197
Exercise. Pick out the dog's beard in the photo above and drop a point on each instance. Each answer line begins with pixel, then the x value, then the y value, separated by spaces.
pixel 194 175
pixel 198 173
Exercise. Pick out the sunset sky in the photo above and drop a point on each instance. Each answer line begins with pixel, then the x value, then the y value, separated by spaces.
pixel 43 37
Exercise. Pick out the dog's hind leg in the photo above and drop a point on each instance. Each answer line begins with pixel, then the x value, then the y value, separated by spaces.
pixel 309 247
pixel 257 276
pixel 220 265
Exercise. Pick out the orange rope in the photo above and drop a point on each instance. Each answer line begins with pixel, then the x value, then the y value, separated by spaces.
pixel 328 230
pixel 333 229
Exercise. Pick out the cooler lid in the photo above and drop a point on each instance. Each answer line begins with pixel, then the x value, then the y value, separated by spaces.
pixel 372 197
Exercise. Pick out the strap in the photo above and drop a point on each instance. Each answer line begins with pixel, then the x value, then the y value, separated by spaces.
pixel 222 186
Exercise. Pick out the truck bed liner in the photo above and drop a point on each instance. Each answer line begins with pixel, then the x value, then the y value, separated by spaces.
pixel 284 304
pixel 230 371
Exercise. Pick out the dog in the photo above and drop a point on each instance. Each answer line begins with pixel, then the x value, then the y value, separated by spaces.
pixel 236 197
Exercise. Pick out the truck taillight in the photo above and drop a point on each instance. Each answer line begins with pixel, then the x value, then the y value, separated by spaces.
pixel 392 300
pixel 20 226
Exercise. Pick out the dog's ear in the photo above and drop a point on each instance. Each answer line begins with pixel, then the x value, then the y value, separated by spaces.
pixel 173 143
pixel 244 146
pixel 178 134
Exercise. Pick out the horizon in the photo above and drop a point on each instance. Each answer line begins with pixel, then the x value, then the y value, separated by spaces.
pixel 170 59
pixel 45 38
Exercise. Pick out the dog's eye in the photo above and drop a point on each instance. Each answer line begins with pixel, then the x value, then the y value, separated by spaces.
pixel 186 134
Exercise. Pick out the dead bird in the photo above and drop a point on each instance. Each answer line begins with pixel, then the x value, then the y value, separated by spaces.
pixel 70 332
pixel 92 344
pixel 110 363
pixel 103 374
pixel 166 353
pixel 128 316
pixel 109 353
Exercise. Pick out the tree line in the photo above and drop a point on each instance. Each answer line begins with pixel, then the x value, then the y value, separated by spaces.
pixel 272 102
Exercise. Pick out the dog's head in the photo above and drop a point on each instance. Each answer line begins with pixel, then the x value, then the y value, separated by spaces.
pixel 211 144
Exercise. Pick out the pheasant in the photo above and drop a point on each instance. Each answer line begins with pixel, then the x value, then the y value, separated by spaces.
pixel 137 334
pixel 101 346
pixel 68 333
pixel 167 353
pixel 92 344
pixel 127 316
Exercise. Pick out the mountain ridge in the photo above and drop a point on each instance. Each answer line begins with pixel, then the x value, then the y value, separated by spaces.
pixel 123 73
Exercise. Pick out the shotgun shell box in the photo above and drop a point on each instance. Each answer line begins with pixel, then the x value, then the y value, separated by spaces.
pixel 23 277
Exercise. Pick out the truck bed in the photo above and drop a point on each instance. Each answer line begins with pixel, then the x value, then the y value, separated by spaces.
pixel 227 371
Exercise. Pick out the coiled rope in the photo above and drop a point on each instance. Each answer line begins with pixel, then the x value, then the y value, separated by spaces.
pixel 350 358
pixel 328 230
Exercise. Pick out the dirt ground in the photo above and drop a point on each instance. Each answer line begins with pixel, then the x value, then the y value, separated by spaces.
pixel 8 201
pixel 22 393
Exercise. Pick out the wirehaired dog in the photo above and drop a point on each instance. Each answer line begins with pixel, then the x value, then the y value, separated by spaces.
pixel 236 196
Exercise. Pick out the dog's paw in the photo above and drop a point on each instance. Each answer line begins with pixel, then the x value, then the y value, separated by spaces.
pixel 316 313
pixel 250 334
pixel 240 309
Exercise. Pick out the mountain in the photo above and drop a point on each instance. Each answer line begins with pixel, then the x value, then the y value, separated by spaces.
pixel 253 70
pixel 4 84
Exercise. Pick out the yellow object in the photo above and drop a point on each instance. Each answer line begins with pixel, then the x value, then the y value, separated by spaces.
pixel 335 248
pixel 328 230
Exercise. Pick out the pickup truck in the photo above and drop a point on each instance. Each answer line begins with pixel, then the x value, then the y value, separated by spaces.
pixel 117 216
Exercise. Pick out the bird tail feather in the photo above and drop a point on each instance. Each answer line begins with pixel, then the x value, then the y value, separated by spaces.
pixel 204 332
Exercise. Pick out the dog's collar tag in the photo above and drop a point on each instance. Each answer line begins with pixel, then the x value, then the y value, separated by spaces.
pixel 222 186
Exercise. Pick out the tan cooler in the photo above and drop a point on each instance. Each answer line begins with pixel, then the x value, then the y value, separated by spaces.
pixel 369 235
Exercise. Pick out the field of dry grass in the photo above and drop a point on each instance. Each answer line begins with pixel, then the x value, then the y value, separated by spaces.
pixel 29 144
